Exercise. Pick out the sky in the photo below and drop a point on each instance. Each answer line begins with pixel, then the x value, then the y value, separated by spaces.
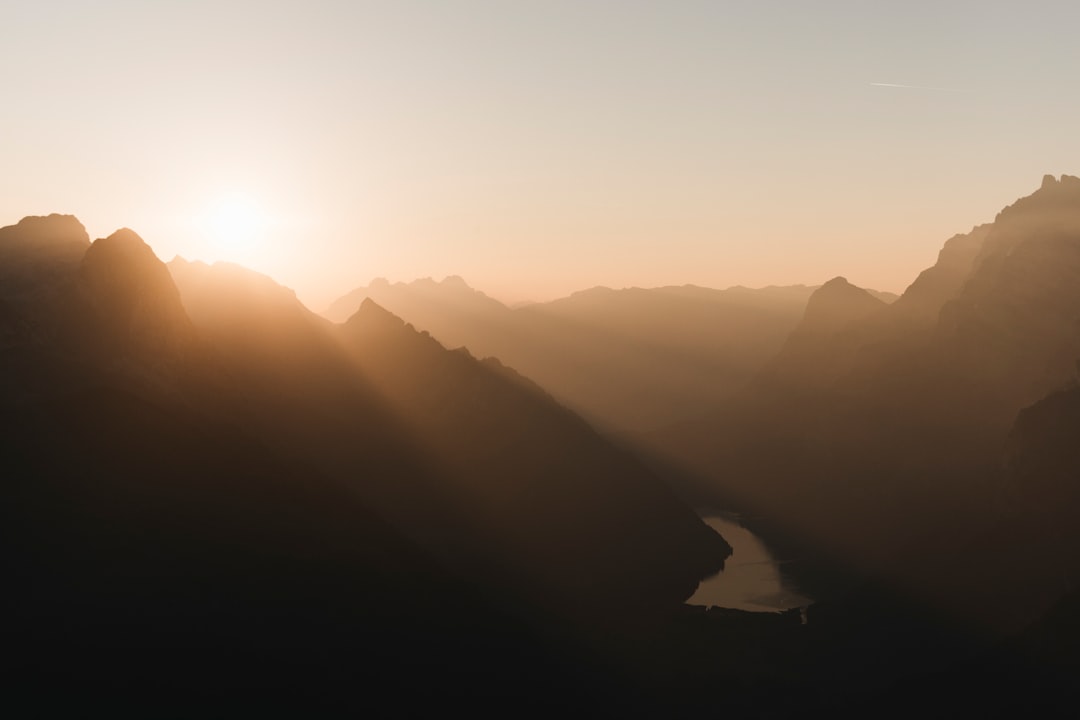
pixel 537 148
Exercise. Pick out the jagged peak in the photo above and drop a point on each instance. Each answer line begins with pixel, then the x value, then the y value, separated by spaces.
pixel 1049 181
pixel 1054 195
pixel 1065 182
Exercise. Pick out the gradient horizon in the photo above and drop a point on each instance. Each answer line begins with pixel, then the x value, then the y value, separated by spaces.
pixel 542 148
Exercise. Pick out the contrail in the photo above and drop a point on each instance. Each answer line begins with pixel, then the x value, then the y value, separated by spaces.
pixel 918 87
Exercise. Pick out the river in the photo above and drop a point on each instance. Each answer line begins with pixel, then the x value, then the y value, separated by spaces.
pixel 751 578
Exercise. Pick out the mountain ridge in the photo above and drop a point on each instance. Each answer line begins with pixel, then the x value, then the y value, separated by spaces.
pixel 898 412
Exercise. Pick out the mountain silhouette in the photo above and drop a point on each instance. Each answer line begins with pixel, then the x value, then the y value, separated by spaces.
pixel 877 442
pixel 836 304
pixel 923 299
pixel 628 360
pixel 525 464
pixel 215 497
pixel 207 481
pixel 470 459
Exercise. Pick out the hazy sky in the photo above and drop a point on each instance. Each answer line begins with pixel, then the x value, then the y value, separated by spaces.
pixel 539 147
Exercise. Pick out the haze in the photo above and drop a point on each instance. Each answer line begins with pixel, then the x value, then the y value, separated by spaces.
pixel 538 148
pixel 588 359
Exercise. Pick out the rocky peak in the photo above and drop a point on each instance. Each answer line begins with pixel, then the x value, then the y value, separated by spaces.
pixel 1051 203
pixel 131 295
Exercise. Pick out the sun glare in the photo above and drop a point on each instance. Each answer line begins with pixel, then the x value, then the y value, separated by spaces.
pixel 233 226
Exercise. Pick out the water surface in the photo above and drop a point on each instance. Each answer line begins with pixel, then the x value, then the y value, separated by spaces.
pixel 751 578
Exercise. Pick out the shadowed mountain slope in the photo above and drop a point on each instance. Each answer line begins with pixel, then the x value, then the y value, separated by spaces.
pixel 879 440
pixel 524 465
pixel 628 360
pixel 204 485
pixel 468 459
pixel 152 544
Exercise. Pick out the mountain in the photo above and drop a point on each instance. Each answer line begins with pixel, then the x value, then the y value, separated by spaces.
pixel 1015 328
pixel 835 305
pixel 628 360
pixel 37 249
pixel 427 303
pixel 524 465
pixel 215 498
pixel 151 544
pixel 211 489
pixel 37 260
pixel 467 458
pixel 874 439
pixel 923 299
pixel 824 343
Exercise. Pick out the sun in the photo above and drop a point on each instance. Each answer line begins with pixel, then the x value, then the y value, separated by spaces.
pixel 234 225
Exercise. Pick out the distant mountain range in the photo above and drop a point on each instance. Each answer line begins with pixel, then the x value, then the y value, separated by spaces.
pixel 629 360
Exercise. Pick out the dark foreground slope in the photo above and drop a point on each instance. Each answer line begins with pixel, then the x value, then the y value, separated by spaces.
pixel 467 458
pixel 156 552
pixel 205 497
